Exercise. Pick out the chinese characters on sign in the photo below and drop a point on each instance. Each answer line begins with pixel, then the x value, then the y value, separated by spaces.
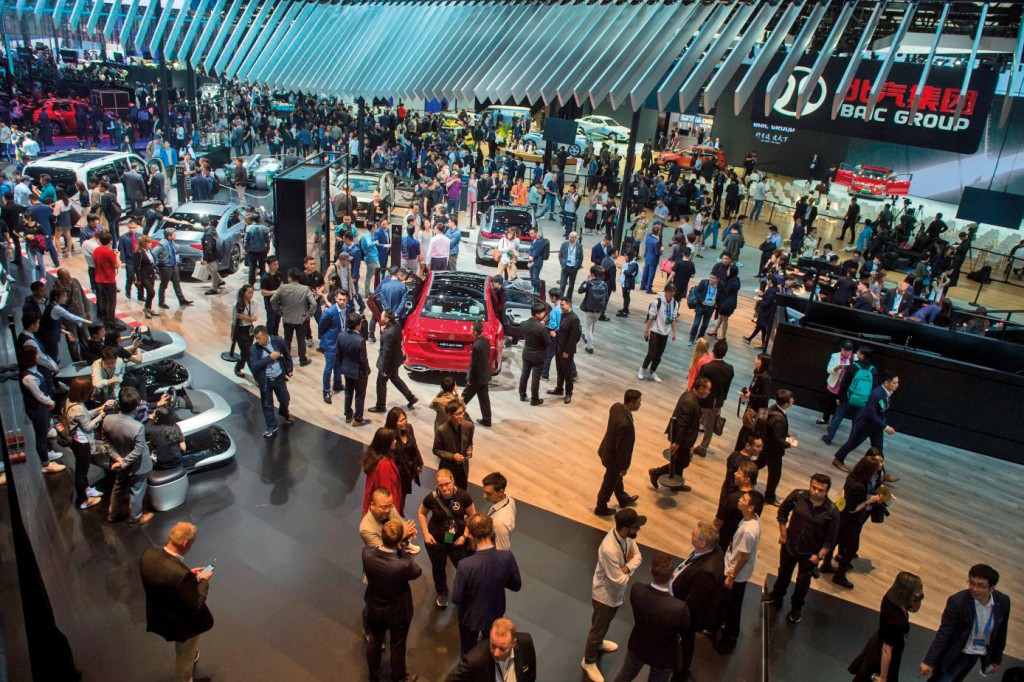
pixel 934 99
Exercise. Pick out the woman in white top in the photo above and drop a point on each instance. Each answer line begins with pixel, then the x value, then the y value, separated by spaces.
pixel 810 243
pixel 471 194
pixel 424 236
pixel 509 248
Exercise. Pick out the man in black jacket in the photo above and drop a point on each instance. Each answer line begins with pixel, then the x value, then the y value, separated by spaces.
pixel 176 597
pixel 389 363
pixel 211 258
pixel 682 432
pixel 808 528
pixel 355 367
pixel 616 451
pixel 720 373
pixel 389 609
pixel 536 338
pixel 503 650
pixel 776 441
pixel 568 336
pixel 479 375
pixel 697 581
pixel 660 624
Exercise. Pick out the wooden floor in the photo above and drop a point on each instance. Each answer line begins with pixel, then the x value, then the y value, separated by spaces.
pixel 952 508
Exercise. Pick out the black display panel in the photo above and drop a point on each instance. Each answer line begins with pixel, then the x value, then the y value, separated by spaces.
pixel 990 207
pixel 560 130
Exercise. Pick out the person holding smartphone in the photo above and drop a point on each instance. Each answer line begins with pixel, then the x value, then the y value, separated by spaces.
pixel 176 597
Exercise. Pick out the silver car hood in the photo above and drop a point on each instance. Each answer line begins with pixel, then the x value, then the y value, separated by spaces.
pixel 208 408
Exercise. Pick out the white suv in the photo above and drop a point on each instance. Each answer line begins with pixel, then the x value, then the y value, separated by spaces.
pixel 67 168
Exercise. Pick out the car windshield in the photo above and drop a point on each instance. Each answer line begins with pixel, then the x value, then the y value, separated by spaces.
pixel 364 185
pixel 202 218
pixel 872 174
pixel 60 177
pixel 453 300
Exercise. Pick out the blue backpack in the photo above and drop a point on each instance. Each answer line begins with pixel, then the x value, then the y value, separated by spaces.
pixel 861 385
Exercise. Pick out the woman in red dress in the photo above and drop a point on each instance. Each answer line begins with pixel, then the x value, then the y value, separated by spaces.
pixel 380 468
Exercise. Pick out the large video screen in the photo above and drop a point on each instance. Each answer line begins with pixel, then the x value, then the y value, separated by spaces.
pixel 991 208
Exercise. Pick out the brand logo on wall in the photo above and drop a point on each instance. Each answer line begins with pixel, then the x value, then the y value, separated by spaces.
pixel 786 102
pixel 932 126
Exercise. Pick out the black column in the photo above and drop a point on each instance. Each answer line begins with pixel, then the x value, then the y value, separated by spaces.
pixel 361 129
pixel 627 179
pixel 165 79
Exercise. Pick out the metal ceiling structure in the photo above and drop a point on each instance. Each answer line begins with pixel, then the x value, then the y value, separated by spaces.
pixel 633 54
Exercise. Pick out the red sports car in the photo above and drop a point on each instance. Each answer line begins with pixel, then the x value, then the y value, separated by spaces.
pixel 441 312
pixel 873 182
pixel 686 158
pixel 61 113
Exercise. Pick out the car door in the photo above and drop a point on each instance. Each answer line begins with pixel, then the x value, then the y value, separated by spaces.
pixel 405 193
pixel 413 289
pixel 518 303
pixel 229 234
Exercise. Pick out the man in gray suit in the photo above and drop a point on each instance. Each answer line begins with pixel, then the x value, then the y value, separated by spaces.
pixel 129 458
pixel 134 189
pixel 295 303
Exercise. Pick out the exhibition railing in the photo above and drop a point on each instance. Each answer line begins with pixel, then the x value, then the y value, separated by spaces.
pixel 766 636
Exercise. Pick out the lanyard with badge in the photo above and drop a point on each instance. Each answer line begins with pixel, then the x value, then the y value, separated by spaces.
pixel 446 507
pixel 980 639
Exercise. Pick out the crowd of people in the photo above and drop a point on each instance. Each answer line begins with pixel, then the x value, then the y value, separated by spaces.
pixel 703 593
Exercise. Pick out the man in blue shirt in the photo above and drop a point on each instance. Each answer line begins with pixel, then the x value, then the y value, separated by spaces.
pixel 368 249
pixel 383 239
pixel 454 237
pixel 332 322
pixel 707 297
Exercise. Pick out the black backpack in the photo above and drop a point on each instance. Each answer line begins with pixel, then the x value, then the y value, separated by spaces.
pixel 597 296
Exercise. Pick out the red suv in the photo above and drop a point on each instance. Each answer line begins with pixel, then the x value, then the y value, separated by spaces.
pixel 61 113
pixel 686 158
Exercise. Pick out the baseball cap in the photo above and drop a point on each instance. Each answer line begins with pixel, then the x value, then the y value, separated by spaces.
pixel 628 518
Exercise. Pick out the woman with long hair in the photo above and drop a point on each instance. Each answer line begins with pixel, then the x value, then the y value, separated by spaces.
pixel 881 657
pixel 859 496
pixel 145 273
pixel 407 454
pixel 379 466
pixel 700 357
pixel 62 224
pixel 243 319
pixel 758 393
pixel 84 423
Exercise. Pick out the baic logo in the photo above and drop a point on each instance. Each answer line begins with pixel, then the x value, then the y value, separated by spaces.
pixel 786 102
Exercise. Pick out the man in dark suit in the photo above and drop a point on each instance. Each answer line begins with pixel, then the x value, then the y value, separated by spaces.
pixel 480 582
pixel 683 428
pixel 355 367
pixel 846 286
pixel 536 338
pixel 389 362
pixel 720 373
pixel 569 332
pixel 697 581
pixel 389 570
pixel 616 451
pixel 540 251
pixel 870 422
pixel 176 597
pixel 127 245
pixel 134 189
pixel 492 659
pixel 453 443
pixel 271 366
pixel 897 302
pixel 776 441
pixel 479 374
pixel 570 259
pixel 660 624
pixel 974 625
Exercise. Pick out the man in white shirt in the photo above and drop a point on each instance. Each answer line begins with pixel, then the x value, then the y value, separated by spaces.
pixel 502 511
pixel 740 559
pixel 438 249
pixel 617 558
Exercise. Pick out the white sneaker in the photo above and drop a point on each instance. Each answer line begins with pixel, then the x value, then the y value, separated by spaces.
pixel 53 468
pixel 641 374
pixel 654 377
pixel 609 646
pixel 55 456
pixel 52 433
pixel 593 674
pixel 413 549
pixel 90 502
pixel 92 492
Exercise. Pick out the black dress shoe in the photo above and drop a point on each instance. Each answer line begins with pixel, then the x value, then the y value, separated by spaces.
pixel 164 306
pixel 360 422
pixel 554 391
pixel 629 501
pixel 483 422
pixel 653 475
pixel 522 397
pixel 603 318
pixel 604 511
pixel 412 403
pixel 327 397
pixel 303 363
pixel 534 402
pixel 210 292
pixel 377 410
pixel 288 420
pixel 568 399
pixel 185 302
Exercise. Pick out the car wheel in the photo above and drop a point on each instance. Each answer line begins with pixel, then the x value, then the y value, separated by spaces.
pixel 235 260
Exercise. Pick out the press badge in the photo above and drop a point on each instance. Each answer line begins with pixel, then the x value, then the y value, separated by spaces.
pixel 449 535
pixel 979 643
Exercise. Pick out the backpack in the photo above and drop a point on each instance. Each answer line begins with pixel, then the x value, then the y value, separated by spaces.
pixel 861 385
pixel 597 295
pixel 756 421
pixel 64 429
pixel 691 298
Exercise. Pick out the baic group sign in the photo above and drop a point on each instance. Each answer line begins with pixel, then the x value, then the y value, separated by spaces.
pixel 932 126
